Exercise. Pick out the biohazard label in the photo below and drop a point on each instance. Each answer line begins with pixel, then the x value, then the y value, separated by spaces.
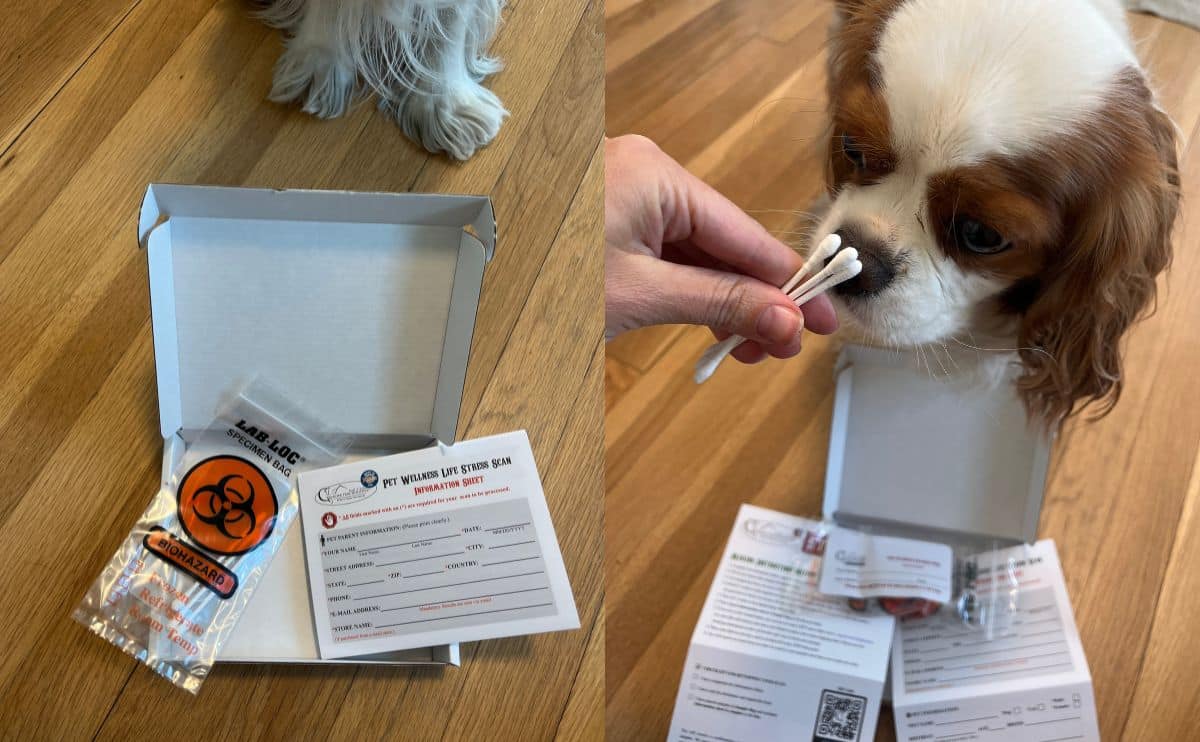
pixel 208 572
pixel 227 505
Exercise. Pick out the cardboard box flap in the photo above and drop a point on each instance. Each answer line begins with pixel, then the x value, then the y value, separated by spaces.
pixel 921 457
pixel 163 201
pixel 362 306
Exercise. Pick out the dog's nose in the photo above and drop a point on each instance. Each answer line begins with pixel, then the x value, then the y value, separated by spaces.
pixel 879 264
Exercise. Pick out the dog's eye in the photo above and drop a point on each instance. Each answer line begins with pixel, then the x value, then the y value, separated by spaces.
pixel 852 151
pixel 978 237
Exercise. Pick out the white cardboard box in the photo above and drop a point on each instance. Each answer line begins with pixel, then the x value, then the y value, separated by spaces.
pixel 915 456
pixel 360 306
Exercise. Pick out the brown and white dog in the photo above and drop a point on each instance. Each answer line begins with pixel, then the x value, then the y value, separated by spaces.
pixel 1005 172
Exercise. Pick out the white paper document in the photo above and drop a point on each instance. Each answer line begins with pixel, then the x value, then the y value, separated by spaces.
pixel 1018 676
pixel 863 565
pixel 770 657
pixel 447 544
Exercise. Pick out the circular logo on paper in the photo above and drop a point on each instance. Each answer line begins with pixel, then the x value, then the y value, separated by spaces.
pixel 329 520
pixel 227 505
pixel 369 478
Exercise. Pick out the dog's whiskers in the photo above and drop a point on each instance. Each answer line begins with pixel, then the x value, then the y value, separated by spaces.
pixel 1031 349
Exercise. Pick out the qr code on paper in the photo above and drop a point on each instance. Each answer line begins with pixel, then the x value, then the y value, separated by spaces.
pixel 839 717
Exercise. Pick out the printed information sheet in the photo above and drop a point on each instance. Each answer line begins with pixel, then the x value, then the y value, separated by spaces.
pixel 1020 675
pixel 770 657
pixel 443 545
pixel 863 565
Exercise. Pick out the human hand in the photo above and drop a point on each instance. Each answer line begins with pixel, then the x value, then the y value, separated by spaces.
pixel 676 251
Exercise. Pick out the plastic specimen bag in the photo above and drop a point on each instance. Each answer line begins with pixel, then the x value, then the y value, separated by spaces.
pixel 173 592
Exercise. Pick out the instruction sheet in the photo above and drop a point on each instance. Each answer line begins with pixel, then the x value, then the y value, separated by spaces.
pixel 447 544
pixel 864 565
pixel 1018 676
pixel 770 657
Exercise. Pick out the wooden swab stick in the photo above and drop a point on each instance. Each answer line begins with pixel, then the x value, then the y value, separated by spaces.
pixel 844 266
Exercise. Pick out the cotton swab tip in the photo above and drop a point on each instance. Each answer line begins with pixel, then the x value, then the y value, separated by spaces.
pixel 705 370
pixel 842 258
pixel 845 273
pixel 827 246
pixel 836 264
pixel 824 249
pixel 708 363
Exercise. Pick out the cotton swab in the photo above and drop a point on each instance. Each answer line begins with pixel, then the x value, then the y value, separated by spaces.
pixel 820 254
pixel 816 260
pixel 844 266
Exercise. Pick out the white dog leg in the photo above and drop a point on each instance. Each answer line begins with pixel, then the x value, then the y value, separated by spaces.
pixel 316 68
pixel 432 86
pixel 425 59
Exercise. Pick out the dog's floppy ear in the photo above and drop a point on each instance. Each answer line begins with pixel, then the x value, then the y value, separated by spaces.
pixel 845 7
pixel 1100 283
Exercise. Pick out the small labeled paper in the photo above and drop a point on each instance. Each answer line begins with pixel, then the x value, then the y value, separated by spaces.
pixel 443 545
pixel 862 565
pixel 1020 674
pixel 771 658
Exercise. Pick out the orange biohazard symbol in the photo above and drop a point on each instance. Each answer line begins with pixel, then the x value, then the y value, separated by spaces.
pixel 227 505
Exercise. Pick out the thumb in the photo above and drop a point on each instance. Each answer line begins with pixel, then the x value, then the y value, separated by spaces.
pixel 726 302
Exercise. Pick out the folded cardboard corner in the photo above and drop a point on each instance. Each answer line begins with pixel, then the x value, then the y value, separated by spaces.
pixel 917 456
pixel 361 306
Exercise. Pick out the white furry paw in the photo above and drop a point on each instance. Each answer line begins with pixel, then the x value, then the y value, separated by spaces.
pixel 457 122
pixel 314 76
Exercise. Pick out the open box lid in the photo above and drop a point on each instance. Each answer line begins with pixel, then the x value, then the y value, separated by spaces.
pixel 361 305
pixel 916 456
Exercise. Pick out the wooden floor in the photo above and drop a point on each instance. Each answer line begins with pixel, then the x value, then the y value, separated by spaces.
pixel 99 98
pixel 734 89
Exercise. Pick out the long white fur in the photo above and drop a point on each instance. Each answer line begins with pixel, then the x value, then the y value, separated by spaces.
pixel 963 80
pixel 425 60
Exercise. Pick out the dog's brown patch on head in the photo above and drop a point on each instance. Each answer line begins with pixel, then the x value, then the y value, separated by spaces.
pixel 854 41
pixel 860 120
pixel 989 193
pixel 855 100
pixel 1090 216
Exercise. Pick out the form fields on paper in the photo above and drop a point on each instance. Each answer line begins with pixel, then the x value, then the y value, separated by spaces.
pixel 461 568
pixel 1024 639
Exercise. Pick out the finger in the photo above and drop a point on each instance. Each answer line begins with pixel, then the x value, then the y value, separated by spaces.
pixel 685 253
pixel 723 301
pixel 750 353
pixel 786 350
pixel 698 213
pixel 820 316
